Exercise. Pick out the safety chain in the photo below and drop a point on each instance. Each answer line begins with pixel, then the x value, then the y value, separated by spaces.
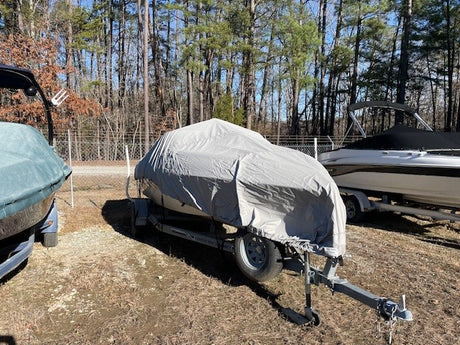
pixel 390 327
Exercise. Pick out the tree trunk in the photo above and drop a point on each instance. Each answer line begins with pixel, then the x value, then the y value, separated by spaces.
pixel 404 61
pixel 333 76
pixel 201 95
pixel 322 67
pixel 109 45
pixel 208 85
pixel 145 51
pixel 121 56
pixel 262 116
pixel 354 75
pixel 248 68
pixel 295 128
pixel 190 98
pixel 450 68
pixel 69 50
pixel 156 58
pixel 20 18
pixel 314 113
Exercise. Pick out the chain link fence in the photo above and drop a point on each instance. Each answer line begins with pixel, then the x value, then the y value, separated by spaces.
pixel 89 148
pixel 102 164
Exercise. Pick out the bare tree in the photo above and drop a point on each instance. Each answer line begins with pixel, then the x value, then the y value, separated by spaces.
pixel 145 53
pixel 404 60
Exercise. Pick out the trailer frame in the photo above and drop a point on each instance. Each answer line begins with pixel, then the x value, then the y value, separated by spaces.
pixel 362 203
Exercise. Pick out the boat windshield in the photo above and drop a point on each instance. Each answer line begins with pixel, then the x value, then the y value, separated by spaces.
pixel 401 137
pixel 374 117
pixel 18 88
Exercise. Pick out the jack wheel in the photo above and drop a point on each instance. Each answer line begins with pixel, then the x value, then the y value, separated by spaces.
pixel 313 316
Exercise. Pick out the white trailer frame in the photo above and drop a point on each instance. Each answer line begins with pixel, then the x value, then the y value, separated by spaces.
pixel 366 204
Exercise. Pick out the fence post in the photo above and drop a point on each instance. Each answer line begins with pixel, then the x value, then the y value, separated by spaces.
pixel 128 166
pixel 70 165
pixel 315 144
pixel 332 142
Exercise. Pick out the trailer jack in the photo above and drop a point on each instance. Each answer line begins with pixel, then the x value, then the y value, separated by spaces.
pixel 386 308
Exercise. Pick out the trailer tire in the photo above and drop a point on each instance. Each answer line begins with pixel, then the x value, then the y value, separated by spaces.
pixel 258 258
pixel 353 208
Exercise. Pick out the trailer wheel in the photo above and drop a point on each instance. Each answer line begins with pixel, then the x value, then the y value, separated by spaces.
pixel 354 213
pixel 258 258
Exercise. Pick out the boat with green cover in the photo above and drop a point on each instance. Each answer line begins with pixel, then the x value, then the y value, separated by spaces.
pixel 30 174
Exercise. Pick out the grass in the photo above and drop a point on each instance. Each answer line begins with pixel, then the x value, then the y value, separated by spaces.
pixel 100 286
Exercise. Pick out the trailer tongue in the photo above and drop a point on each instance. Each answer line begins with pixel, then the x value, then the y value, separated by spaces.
pixel 386 308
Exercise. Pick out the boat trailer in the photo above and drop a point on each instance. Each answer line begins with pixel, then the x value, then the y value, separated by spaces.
pixel 145 212
pixel 358 203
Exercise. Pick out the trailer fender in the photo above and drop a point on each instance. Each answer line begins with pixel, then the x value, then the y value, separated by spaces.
pixel 363 200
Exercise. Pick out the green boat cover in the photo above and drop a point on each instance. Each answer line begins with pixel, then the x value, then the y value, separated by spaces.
pixel 30 169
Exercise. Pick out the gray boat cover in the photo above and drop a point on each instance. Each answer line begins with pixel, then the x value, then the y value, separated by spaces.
pixel 237 177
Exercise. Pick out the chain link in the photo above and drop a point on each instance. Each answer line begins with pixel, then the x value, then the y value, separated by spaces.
pixel 389 327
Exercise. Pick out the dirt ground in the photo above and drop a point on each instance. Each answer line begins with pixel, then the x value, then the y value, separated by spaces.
pixel 101 286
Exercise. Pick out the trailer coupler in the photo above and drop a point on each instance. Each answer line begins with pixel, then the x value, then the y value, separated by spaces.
pixel 386 308
pixel 390 310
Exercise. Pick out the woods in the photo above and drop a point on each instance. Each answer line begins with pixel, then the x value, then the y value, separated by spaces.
pixel 287 67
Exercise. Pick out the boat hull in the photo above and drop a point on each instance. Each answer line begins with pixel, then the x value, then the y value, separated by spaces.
pixel 421 189
pixel 26 218
pixel 151 190
pixel 416 176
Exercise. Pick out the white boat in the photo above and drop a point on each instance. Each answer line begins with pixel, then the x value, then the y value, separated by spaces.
pixel 151 191
pixel 402 162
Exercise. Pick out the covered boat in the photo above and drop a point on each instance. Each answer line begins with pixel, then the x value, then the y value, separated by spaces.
pixel 237 177
pixel 30 174
pixel 283 204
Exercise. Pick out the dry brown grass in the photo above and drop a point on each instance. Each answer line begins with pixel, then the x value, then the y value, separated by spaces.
pixel 100 286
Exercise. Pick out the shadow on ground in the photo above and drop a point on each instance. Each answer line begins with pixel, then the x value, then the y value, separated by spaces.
pixel 423 229
pixel 208 260
pixel 7 340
